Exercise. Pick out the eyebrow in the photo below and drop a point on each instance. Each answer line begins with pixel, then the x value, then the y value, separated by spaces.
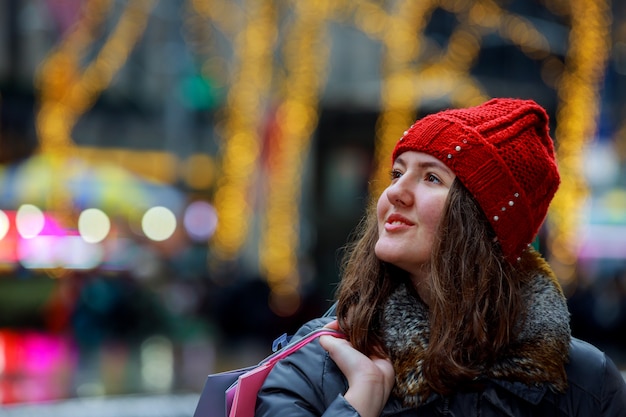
pixel 433 165
pixel 426 164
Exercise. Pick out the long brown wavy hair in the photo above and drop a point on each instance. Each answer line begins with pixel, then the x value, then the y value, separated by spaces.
pixel 475 304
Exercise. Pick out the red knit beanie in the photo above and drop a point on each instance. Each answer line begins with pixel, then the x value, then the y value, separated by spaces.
pixel 503 154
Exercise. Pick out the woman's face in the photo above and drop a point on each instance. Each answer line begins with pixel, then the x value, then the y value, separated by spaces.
pixel 409 210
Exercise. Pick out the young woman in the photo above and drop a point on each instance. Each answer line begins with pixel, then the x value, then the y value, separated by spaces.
pixel 446 307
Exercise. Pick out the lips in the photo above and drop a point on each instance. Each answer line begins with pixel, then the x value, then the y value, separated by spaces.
pixel 397 222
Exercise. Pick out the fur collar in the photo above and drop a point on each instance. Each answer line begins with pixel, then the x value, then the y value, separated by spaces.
pixel 538 356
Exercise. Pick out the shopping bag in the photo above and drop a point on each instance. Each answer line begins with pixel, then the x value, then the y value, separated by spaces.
pixel 233 393
pixel 212 402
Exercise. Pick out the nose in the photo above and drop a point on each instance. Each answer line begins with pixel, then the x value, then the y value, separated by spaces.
pixel 399 194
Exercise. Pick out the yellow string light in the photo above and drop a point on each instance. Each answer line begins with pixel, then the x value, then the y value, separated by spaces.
pixel 576 124
pixel 157 166
pixel 398 31
pixel 57 75
pixel 305 56
pixel 240 148
pixel 65 92
pixel 222 13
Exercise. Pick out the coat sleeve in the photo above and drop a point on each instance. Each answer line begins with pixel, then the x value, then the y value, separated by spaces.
pixel 613 392
pixel 305 384
pixel 597 387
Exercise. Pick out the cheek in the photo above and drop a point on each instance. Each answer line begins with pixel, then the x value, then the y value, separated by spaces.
pixel 432 214
pixel 381 209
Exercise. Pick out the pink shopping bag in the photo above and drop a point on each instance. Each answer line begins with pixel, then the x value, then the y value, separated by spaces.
pixel 233 393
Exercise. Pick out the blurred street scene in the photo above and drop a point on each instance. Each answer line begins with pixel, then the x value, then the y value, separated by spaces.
pixel 133 406
pixel 178 177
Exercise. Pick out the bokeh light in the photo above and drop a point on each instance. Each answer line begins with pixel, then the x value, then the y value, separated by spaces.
pixel 200 220
pixel 158 223
pixel 29 221
pixel 157 364
pixel 75 253
pixel 4 224
pixel 49 252
pixel 93 225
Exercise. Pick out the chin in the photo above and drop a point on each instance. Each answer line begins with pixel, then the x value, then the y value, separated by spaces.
pixel 386 254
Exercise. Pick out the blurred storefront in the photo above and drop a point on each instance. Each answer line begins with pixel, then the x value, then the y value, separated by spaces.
pixel 178 178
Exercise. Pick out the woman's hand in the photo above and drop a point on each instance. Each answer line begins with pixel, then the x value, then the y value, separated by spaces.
pixel 369 379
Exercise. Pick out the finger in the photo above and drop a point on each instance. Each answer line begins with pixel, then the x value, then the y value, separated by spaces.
pixel 349 360
pixel 331 343
pixel 340 350
pixel 333 325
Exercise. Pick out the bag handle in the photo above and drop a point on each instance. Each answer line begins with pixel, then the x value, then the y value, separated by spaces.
pixel 284 339
pixel 292 347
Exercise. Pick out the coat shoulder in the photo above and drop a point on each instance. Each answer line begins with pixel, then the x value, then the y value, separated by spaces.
pixel 594 379
pixel 587 365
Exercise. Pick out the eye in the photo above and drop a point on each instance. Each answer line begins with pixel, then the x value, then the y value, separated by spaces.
pixel 432 178
pixel 395 174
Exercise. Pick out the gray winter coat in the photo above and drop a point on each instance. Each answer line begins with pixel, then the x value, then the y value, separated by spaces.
pixel 308 383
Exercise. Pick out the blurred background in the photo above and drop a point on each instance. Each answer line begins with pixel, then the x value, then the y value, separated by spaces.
pixel 178 177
